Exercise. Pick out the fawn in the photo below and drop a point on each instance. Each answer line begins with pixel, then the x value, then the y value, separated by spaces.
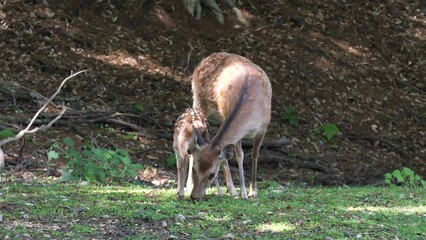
pixel 239 93
pixel 191 130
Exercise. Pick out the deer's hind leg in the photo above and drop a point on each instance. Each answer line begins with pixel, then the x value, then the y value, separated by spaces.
pixel 257 143
pixel 239 155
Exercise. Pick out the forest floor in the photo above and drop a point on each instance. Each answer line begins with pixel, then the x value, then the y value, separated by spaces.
pixel 358 65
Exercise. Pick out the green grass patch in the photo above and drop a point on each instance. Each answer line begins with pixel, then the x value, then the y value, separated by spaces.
pixel 57 211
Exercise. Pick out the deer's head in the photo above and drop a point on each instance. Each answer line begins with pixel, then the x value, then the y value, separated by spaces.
pixel 206 166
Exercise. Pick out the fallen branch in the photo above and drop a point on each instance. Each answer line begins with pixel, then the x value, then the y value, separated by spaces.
pixel 43 127
pixel 375 141
pixel 278 157
pixel 74 117
pixel 1 159
pixel 269 143
pixel 194 8
pixel 372 140
pixel 16 91
pixel 79 117
pixel 156 135
pixel 298 162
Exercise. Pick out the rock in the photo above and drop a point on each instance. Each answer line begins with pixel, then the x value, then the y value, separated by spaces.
pixel 180 218
pixel 140 212
pixel 44 13
pixel 79 209
pixel 164 224
pixel 83 184
pixel 346 233
pixel 245 222
pixel 229 236
pixel 358 236
pixel 268 230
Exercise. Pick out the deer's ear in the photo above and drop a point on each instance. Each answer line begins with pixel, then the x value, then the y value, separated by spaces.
pixel 227 152
pixel 206 135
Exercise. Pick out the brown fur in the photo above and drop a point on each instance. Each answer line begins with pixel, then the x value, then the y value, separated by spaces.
pixel 188 127
pixel 185 124
pixel 203 81
pixel 239 93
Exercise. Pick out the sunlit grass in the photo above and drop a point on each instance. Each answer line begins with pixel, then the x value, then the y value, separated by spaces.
pixel 140 211
pixel 276 227
pixel 382 209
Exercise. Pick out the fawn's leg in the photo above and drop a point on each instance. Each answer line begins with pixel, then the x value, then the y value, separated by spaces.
pixel 190 181
pixel 216 182
pixel 182 166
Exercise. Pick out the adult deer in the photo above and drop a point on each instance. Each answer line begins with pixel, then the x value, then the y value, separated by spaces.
pixel 191 131
pixel 239 92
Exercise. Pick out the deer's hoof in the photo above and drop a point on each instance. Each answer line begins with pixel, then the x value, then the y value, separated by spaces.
pixel 252 194
pixel 244 195
pixel 195 199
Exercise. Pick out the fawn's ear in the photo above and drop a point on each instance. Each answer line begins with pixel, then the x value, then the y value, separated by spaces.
pixel 227 152
pixel 200 141
pixel 206 135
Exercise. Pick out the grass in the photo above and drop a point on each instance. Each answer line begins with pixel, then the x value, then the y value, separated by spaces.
pixel 69 211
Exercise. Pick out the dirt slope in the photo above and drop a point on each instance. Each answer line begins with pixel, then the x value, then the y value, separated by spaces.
pixel 358 65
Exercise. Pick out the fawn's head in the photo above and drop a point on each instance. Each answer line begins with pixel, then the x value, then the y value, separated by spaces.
pixel 200 129
pixel 191 130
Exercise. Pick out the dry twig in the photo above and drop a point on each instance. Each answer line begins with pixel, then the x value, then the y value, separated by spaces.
pixel 43 127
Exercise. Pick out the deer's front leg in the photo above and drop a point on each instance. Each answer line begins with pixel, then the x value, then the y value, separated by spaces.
pixel 228 179
pixel 239 154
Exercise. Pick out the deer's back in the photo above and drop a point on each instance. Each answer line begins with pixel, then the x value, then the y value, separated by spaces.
pixel 217 82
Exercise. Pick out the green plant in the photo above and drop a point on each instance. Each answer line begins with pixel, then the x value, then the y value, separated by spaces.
pixel 389 119
pixel 51 155
pixel 138 107
pixel 404 177
pixel 289 115
pixel 94 164
pixel 171 161
pixel 328 130
pixel 6 133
